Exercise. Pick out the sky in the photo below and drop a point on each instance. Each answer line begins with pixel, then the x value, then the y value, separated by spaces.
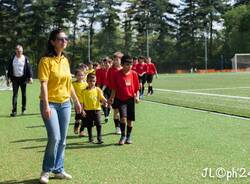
pixel 175 1
pixel 178 1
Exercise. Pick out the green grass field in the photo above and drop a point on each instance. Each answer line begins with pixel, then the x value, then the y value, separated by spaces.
pixel 171 144
pixel 227 93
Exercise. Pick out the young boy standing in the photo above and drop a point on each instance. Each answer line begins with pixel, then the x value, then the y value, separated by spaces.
pixel 111 78
pixel 79 85
pixel 101 82
pixel 126 90
pixel 91 99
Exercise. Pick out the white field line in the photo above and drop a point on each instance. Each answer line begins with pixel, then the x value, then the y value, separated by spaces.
pixel 203 94
pixel 199 110
pixel 211 89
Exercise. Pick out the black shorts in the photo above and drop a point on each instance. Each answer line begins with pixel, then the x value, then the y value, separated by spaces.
pixel 142 79
pixel 93 117
pixel 107 93
pixel 127 109
pixel 150 78
pixel 115 104
pixel 78 116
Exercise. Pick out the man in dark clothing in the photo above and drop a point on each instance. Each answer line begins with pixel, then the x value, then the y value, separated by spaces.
pixel 19 73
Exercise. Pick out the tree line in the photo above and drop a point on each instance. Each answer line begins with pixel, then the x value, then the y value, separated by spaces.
pixel 173 35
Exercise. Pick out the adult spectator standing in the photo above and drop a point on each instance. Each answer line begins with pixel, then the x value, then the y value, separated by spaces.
pixel 19 73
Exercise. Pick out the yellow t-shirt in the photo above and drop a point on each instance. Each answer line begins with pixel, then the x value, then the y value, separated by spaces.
pixel 56 71
pixel 91 98
pixel 79 86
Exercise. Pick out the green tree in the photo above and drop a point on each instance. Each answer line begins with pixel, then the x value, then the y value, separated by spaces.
pixel 237 29
pixel 108 37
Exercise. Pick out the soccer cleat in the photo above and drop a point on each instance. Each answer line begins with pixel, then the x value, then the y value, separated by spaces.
pixel 63 175
pixel 91 141
pixel 13 114
pixel 106 119
pixel 128 141
pixel 23 112
pixel 44 178
pixel 99 142
pixel 122 140
pixel 118 130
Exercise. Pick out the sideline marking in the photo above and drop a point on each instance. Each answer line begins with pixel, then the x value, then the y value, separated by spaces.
pixel 208 89
pixel 200 110
pixel 204 94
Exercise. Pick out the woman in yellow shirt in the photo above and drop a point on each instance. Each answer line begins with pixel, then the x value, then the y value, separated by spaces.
pixel 56 90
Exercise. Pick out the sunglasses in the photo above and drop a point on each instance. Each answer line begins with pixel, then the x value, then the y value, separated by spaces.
pixel 62 39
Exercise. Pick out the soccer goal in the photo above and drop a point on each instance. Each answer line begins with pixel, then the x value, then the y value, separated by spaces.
pixel 3 83
pixel 241 61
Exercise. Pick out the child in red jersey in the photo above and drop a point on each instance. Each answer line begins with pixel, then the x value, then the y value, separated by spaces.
pixel 150 75
pixel 111 78
pixel 126 90
pixel 141 70
pixel 101 82
pixel 135 62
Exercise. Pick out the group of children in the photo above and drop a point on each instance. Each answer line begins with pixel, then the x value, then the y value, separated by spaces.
pixel 117 83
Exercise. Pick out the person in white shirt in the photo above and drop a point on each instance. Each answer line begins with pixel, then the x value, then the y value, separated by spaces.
pixel 19 73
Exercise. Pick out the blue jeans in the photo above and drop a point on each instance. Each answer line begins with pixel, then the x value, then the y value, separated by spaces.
pixel 57 127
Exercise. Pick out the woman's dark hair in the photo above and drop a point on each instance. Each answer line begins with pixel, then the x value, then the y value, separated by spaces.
pixel 50 48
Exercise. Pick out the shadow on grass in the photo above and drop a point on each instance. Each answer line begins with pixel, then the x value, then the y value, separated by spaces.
pixel 40 139
pixel 19 115
pixel 87 145
pixel 31 181
pixel 29 140
pixel 37 126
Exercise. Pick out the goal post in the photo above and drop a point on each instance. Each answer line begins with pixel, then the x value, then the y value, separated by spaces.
pixel 241 61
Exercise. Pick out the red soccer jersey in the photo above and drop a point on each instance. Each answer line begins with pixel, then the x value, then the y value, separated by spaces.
pixel 151 69
pixel 134 67
pixel 111 76
pixel 105 77
pixel 126 86
pixel 98 74
pixel 101 76
pixel 141 68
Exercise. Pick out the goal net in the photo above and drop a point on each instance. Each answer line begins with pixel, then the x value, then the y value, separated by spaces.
pixel 3 83
pixel 241 61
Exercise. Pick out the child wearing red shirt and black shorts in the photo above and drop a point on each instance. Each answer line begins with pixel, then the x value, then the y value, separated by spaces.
pixel 116 67
pixel 141 70
pixel 126 89
pixel 150 75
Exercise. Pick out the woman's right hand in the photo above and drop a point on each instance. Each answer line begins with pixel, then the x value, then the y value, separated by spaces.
pixel 47 112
